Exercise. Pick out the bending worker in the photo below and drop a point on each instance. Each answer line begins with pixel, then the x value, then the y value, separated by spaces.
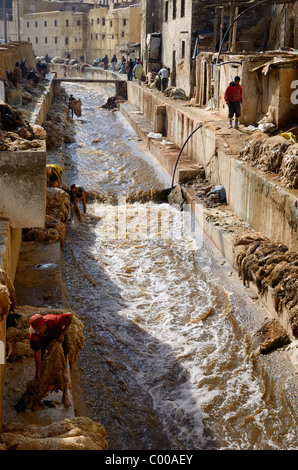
pixel 54 176
pixel 77 194
pixel 43 330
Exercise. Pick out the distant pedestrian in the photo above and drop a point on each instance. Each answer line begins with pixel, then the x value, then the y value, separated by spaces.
pixel 138 71
pixel 129 69
pixel 233 98
pixel 164 78
pixel 24 70
pixel 17 75
pixel 114 62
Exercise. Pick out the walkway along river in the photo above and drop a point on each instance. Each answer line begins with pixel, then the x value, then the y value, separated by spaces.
pixel 165 365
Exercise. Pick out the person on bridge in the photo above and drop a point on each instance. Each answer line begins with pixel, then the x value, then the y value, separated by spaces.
pixel 43 330
pixel 233 98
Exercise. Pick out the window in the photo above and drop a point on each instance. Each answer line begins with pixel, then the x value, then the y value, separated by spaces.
pixel 28 40
pixel 46 40
pixel 122 34
pixel 124 22
pixel 111 23
pixel 183 50
pixel 79 23
pixel 97 20
pixel 66 23
pixel 103 36
pixel 27 24
pixel 174 9
pixel 36 40
pixel 103 21
pixel 55 22
pixel 166 11
pixel 66 41
pixel 182 8
pixel 36 24
pixel 45 24
pixel 56 40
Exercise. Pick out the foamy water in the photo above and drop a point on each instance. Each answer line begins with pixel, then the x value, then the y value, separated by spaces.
pixel 165 365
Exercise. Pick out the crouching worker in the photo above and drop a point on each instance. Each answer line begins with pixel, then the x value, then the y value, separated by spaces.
pixel 43 330
pixel 77 194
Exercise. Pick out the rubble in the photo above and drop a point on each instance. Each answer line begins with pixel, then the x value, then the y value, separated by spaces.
pixel 57 212
pixel 273 154
pixel 7 294
pixel 78 433
pixel 270 265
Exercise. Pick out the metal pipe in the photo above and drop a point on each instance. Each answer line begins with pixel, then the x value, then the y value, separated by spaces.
pixel 227 32
pixel 173 177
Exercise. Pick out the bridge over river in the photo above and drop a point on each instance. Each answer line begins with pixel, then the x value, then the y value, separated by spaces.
pixel 120 85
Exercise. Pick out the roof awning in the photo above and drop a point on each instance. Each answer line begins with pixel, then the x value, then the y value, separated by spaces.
pixel 275 64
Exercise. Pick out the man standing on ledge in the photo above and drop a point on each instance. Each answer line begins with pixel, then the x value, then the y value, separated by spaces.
pixel 43 330
pixel 233 98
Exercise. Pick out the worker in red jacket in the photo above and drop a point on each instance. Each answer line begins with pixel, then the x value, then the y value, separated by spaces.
pixel 44 329
pixel 233 98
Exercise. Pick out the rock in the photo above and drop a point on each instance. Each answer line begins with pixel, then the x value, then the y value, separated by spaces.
pixel 175 93
pixel 289 167
pixel 79 433
pixel 7 294
pixel 57 212
pixel 53 139
pixel 272 266
pixel 272 336
pixel 273 154
pixel 176 196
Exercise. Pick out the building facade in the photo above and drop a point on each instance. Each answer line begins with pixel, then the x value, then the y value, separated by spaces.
pixel 84 30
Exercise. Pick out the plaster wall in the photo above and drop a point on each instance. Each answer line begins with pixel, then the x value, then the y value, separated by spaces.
pixel 10 242
pixel 260 90
pixel 23 183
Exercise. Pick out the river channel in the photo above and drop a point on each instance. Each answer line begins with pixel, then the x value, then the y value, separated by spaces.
pixel 164 365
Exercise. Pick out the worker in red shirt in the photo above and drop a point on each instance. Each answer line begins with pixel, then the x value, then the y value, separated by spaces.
pixel 233 98
pixel 43 330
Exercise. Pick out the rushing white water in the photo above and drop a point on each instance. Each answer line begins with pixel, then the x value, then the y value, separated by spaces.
pixel 165 365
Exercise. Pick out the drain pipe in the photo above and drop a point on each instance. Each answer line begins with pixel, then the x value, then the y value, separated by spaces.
pixel 175 167
pixel 227 32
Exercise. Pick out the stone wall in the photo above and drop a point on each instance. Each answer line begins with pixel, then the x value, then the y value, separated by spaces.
pixel 14 52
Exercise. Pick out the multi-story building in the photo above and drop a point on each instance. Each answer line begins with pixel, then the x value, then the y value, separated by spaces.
pixel 83 29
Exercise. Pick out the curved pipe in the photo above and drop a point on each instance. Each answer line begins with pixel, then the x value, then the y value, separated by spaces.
pixel 227 32
pixel 175 167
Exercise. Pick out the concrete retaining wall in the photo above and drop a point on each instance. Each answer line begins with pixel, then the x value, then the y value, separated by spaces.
pixel 23 188
pixel 259 201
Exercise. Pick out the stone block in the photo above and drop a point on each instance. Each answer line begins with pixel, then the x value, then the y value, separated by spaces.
pixel 23 188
